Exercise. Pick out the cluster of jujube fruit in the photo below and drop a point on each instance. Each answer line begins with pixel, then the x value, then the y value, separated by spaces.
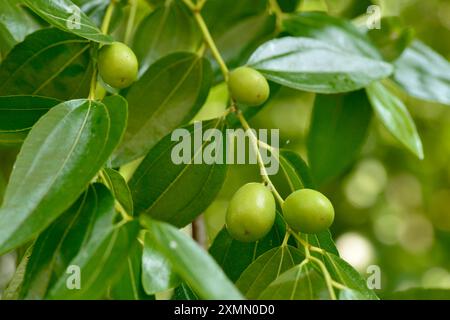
pixel 252 210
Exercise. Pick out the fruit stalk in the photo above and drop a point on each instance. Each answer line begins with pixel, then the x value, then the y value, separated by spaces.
pixel 263 170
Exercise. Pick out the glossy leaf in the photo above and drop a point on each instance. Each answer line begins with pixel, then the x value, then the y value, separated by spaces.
pixel 301 282
pixel 344 273
pixel 15 25
pixel 349 294
pixel 218 22
pixel 395 116
pixel 61 242
pixel 119 188
pixel 317 66
pixel 157 270
pixel 101 261
pixel 65 15
pixel 19 113
pixel 241 39
pixel 129 285
pixel 338 129
pixel 235 256
pixel 333 30
pixel 168 29
pixel 260 274
pixel 62 153
pixel 167 96
pixel 238 29
pixel 192 263
pixel 177 193
pixel 293 173
pixel 423 73
pixel 48 63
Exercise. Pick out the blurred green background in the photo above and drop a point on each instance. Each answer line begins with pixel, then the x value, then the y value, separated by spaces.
pixel 392 210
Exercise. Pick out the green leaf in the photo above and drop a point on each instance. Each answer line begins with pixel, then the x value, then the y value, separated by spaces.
pixel 339 32
pixel 423 73
pixel 349 294
pixel 338 129
pixel 238 29
pixel 192 263
pixel 101 261
pixel 317 66
pixel 395 116
pixel 292 175
pixel 260 274
pixel 19 113
pixel 118 116
pixel 220 16
pixel 242 38
pixel 167 96
pixel 177 193
pixel 48 63
pixel 61 242
pixel 344 273
pixel 60 156
pixel 235 256
pixel 15 25
pixel 119 188
pixel 168 29
pixel 65 15
pixel 157 271
pixel 420 294
pixel 129 286
pixel 301 282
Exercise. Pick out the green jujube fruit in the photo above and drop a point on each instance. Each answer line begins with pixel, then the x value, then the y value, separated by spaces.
pixel 308 211
pixel 251 213
pixel 248 86
pixel 118 65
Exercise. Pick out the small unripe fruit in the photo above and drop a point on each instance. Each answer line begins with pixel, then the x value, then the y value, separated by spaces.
pixel 308 211
pixel 117 65
pixel 248 86
pixel 251 213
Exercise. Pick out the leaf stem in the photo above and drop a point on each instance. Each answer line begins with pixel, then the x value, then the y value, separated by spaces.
pixel 130 23
pixel 286 239
pixel 93 87
pixel 196 9
pixel 338 285
pixel 326 275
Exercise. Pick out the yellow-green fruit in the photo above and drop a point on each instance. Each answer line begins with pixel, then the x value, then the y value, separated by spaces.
pixel 308 211
pixel 248 86
pixel 251 213
pixel 117 65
